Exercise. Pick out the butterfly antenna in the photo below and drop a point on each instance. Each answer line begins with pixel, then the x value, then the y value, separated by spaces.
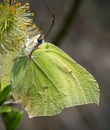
pixel 53 18
pixel 51 26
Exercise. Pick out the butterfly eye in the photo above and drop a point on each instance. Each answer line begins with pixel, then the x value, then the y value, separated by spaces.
pixel 40 40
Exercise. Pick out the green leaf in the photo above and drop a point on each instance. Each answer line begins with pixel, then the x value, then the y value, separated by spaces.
pixel 5 109
pixel 12 119
pixel 50 81
pixel 4 93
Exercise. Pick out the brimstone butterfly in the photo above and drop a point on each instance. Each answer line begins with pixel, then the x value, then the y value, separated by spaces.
pixel 49 80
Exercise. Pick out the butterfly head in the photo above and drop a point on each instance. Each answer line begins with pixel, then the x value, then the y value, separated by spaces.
pixel 40 39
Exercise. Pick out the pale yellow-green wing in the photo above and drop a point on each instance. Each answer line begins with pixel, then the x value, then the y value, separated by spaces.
pixel 50 81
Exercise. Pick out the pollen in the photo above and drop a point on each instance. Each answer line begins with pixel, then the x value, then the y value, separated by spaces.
pixel 12 9
pixel 15 23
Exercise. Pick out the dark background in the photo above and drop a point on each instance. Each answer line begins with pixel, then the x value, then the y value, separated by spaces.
pixel 81 29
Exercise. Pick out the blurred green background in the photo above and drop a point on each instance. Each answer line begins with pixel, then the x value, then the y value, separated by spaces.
pixel 81 29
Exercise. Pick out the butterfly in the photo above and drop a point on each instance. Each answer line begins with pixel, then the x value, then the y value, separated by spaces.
pixel 45 80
